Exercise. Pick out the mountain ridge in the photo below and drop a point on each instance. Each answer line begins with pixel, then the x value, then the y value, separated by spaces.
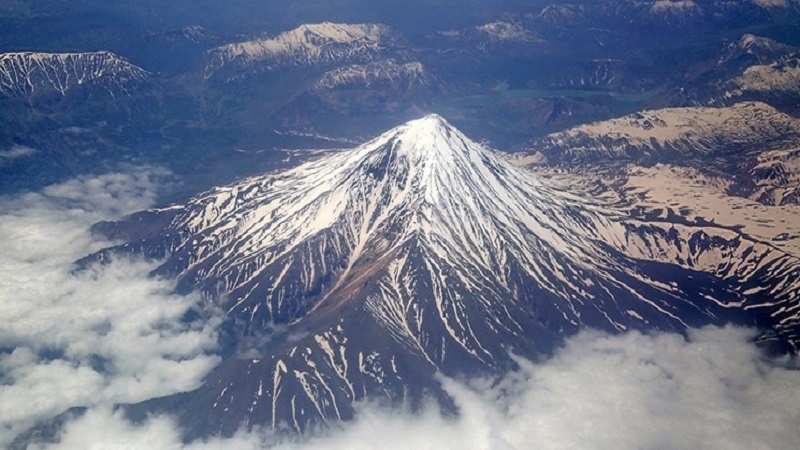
pixel 24 74
pixel 306 45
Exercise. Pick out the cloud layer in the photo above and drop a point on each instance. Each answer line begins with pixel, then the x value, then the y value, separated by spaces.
pixel 105 335
pixel 630 391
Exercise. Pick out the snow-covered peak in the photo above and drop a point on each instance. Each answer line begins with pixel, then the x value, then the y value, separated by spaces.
pixel 334 32
pixel 422 182
pixel 776 80
pixel 674 6
pixel 429 137
pixel 195 32
pixel 104 60
pixel 506 32
pixel 309 44
pixel 765 50
pixel 431 122
pixel 749 40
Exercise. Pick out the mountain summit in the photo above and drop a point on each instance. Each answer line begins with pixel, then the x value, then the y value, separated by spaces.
pixel 365 272
pixel 307 45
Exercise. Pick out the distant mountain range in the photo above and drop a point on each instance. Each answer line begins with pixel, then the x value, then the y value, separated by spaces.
pixel 506 79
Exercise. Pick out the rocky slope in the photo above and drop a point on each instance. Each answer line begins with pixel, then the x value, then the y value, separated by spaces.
pixel 35 75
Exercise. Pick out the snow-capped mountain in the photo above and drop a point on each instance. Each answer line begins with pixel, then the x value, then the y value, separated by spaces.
pixel 675 11
pixel 673 133
pixel 31 74
pixel 760 49
pixel 500 31
pixel 308 45
pixel 558 15
pixel 365 272
pixel 490 38
pixel 751 68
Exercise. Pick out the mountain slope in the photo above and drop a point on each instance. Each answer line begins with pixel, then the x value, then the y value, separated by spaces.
pixel 307 45
pixel 364 273
pixel 666 134
pixel 387 72
pixel 755 49
pixel 752 143
pixel 778 82
pixel 32 75
pixel 751 68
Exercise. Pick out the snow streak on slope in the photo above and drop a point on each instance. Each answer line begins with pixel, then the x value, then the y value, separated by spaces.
pixel 376 73
pixel 779 78
pixel 777 175
pixel 667 191
pixel 28 74
pixel 757 237
pixel 314 44
pixel 423 180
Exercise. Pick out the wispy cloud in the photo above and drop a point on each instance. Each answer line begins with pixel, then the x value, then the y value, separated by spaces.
pixel 17 151
pixel 96 337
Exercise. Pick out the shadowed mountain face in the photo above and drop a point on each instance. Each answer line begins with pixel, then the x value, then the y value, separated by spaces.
pixel 365 272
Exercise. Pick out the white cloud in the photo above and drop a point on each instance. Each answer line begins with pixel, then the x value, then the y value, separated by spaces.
pixel 17 151
pixel 598 392
pixel 661 391
pixel 96 337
